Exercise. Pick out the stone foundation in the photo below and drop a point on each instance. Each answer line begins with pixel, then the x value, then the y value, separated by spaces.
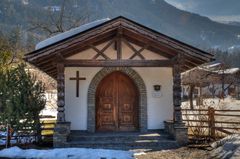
pixel 178 131
pixel 61 134
pixel 168 127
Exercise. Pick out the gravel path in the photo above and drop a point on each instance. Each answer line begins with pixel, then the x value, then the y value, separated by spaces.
pixel 181 153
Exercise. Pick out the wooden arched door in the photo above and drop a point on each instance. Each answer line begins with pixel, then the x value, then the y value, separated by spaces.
pixel 116 104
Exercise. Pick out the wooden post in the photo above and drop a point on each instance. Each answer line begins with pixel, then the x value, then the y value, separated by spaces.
pixel 177 89
pixel 119 44
pixel 180 130
pixel 211 122
pixel 8 137
pixel 61 92
pixel 191 90
pixel 200 96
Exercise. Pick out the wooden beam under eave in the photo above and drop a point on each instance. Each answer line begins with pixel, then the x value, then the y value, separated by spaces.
pixel 147 40
pixel 45 63
pixel 85 45
pixel 119 44
pixel 118 63
pixel 72 49
pixel 166 47
pixel 192 62
pixel 151 47
pixel 50 70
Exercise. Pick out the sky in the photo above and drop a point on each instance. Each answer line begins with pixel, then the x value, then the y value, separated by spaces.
pixel 220 10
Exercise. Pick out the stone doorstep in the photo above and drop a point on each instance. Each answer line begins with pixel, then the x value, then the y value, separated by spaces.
pixel 130 146
pixel 117 138
pixel 122 141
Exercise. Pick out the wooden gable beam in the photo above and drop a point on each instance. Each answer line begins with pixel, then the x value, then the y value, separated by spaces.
pixel 50 69
pixel 119 44
pixel 72 48
pixel 118 63
pixel 136 52
pixel 52 72
pixel 166 42
pixel 150 47
pixel 101 52
pixel 167 53
pixel 169 48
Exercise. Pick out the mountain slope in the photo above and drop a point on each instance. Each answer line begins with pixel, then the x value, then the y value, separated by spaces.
pixel 157 14
pixel 209 7
pixel 190 28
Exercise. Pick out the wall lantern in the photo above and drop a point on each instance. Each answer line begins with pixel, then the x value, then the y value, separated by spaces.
pixel 157 87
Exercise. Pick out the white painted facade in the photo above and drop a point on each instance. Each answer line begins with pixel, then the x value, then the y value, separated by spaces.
pixel 159 108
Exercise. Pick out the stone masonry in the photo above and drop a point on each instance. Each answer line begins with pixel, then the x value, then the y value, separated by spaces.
pixel 61 134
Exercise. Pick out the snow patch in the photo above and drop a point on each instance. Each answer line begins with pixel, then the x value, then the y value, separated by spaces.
pixel 233 48
pixel 66 153
pixel 69 33
pixel 16 139
pixel 229 71
pixel 203 35
pixel 227 148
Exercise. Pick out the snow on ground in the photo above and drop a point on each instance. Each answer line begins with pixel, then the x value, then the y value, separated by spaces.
pixel 3 141
pixel 49 111
pixel 65 153
pixel 15 139
pixel 227 148
pixel 227 103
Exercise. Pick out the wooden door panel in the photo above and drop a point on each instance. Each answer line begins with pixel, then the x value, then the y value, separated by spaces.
pixel 117 104
pixel 106 104
pixel 127 108
pixel 127 119
pixel 127 104
pixel 105 114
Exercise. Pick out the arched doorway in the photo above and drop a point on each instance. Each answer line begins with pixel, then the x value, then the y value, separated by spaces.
pixel 92 89
pixel 117 106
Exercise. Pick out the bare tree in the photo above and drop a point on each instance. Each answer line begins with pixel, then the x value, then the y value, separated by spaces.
pixel 59 21
pixel 217 79
pixel 10 48
pixel 196 78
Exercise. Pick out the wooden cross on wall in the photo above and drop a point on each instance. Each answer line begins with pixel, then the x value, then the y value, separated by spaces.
pixel 77 78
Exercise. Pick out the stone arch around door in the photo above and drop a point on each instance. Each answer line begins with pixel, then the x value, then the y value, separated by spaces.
pixel 91 105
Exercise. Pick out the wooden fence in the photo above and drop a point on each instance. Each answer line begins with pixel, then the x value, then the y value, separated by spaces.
pixel 47 128
pixel 29 135
pixel 212 123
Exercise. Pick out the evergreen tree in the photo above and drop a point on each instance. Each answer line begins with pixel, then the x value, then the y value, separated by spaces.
pixel 21 99
pixel 5 51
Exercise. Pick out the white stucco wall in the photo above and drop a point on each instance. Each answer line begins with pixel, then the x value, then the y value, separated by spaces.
pixel 159 108
pixel 76 107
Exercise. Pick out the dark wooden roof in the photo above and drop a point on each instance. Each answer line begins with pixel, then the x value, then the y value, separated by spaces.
pixel 45 58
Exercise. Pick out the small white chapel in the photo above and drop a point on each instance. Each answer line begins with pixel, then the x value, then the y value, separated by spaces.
pixel 116 75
